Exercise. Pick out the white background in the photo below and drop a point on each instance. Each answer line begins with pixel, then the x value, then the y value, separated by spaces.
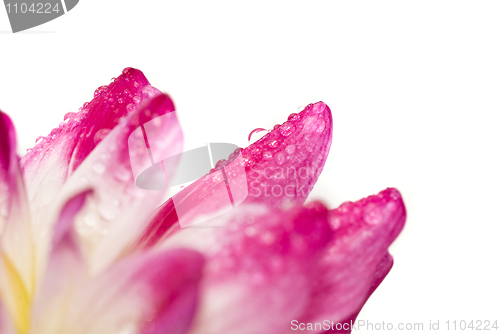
pixel 413 87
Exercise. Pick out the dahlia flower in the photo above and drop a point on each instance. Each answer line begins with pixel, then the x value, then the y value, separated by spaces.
pixel 85 250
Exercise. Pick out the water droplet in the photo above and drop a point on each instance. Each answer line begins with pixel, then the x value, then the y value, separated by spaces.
pixel 128 328
pixel 267 155
pixel 4 211
pixel 276 126
pixel 69 115
pixel 99 135
pixel 250 231
pixel 108 211
pixel 248 161
pixel 293 117
pixel 290 149
pixel 157 121
pixel 273 144
pixel 221 163
pixel 127 70
pixel 136 84
pixel 279 158
pixel 90 221
pixel 38 139
pixel 130 107
pixel 126 92
pixel 320 126
pixel 255 131
pixel 120 101
pixel 267 238
pixel 98 168
pixel 287 128
pixel 122 174
pixel 149 91
pixel 318 108
pixel 99 91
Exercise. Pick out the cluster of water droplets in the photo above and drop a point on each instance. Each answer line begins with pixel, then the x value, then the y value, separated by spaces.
pixel 289 140
pixel 108 99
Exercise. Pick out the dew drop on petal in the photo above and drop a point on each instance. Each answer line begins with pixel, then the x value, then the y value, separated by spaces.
pixel 318 108
pixel 69 115
pixel 279 158
pixel 287 128
pixel 250 231
pixel 273 144
pixel 157 121
pixel 122 174
pixel 99 135
pixel 130 107
pixel 253 132
pixel 267 155
pixel 98 168
pixel 290 149
pixel 4 211
pixel 293 117
pixel 38 139
pixel 320 126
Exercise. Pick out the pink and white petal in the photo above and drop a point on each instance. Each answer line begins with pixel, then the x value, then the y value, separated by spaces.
pixel 6 325
pixel 290 158
pixel 383 268
pixel 55 157
pixel 356 260
pixel 280 168
pixel 259 267
pixel 66 273
pixel 117 209
pixel 152 293
pixel 15 232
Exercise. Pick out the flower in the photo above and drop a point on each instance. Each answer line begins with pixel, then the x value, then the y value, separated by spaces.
pixel 83 249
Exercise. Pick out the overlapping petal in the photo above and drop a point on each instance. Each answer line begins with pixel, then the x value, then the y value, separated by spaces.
pixel 356 260
pixel 54 158
pixel 16 246
pixel 78 263
pixel 117 209
pixel 149 293
pixel 282 167
pixel 260 259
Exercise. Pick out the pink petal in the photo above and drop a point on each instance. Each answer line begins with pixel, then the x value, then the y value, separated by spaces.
pixel 281 167
pixel 153 293
pixel 6 325
pixel 53 159
pixel 286 163
pixel 15 232
pixel 117 209
pixel 65 274
pixel 259 267
pixel 356 260
pixel 150 293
